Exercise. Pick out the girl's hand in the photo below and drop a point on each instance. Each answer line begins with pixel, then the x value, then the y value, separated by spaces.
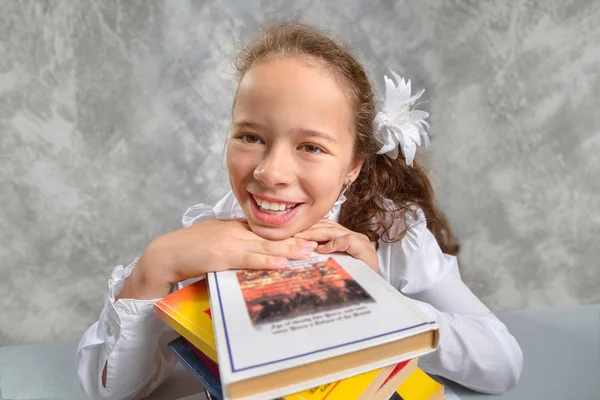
pixel 212 245
pixel 341 239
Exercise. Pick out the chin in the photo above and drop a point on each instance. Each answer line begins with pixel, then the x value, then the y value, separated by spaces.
pixel 271 233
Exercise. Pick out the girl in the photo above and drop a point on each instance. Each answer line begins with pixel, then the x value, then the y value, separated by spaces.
pixel 309 161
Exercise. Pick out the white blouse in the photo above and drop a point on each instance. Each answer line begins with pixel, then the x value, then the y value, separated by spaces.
pixel 475 348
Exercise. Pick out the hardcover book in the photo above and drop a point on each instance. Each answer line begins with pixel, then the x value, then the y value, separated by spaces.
pixel 187 311
pixel 319 321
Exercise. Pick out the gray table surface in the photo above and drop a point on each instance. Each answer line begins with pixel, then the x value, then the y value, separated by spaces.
pixel 561 350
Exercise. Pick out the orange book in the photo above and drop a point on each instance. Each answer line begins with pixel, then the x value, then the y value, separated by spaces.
pixel 187 311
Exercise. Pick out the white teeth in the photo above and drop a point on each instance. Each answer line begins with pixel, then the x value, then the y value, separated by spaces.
pixel 272 206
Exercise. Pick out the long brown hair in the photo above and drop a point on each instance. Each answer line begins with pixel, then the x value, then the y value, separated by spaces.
pixel 385 188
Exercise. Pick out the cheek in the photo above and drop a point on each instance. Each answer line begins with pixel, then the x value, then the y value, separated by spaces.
pixel 240 165
pixel 323 183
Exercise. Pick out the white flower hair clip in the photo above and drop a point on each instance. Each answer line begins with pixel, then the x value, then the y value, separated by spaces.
pixel 397 125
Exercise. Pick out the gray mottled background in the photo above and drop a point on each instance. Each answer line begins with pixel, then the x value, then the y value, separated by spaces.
pixel 113 116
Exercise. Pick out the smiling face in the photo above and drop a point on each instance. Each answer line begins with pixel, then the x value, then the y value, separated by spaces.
pixel 291 145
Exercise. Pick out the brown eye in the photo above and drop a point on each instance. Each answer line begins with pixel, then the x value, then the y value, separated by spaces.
pixel 250 139
pixel 312 149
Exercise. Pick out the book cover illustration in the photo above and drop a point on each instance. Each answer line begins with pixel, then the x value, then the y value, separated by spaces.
pixel 275 295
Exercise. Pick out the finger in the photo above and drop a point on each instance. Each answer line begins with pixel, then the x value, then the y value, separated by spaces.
pixel 338 244
pixel 327 222
pixel 344 231
pixel 301 242
pixel 322 234
pixel 350 244
pixel 279 249
pixel 258 261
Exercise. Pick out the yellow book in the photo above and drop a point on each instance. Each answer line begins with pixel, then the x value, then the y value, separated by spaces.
pixel 419 386
pixel 345 389
pixel 373 385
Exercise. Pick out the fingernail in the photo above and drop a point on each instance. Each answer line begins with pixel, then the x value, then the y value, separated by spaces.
pixel 305 252
pixel 282 261
pixel 311 245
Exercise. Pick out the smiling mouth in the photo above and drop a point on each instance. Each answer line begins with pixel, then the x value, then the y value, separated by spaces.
pixel 274 208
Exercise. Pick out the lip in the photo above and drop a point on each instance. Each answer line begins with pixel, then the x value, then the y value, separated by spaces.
pixel 270 219
pixel 272 199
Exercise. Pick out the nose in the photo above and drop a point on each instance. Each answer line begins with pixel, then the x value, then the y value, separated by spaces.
pixel 275 169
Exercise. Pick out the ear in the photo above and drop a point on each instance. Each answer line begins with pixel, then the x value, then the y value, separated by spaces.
pixel 355 169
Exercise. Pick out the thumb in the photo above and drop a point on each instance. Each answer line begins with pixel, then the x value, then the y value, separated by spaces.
pixel 340 243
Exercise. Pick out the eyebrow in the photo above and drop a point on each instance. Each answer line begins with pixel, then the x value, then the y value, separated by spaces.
pixel 308 132
pixel 247 124
pixel 322 135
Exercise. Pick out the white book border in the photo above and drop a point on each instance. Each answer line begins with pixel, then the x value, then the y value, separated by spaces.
pixel 221 314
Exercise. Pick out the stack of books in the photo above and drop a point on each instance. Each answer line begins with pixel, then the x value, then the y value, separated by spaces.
pixel 324 328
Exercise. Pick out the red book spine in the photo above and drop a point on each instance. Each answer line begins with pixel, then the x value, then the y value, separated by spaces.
pixel 210 364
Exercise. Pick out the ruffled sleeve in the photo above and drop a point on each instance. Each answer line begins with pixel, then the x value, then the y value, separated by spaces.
pixel 475 348
pixel 128 337
pixel 130 340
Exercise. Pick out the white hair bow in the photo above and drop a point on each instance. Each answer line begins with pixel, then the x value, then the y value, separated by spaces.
pixel 397 125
